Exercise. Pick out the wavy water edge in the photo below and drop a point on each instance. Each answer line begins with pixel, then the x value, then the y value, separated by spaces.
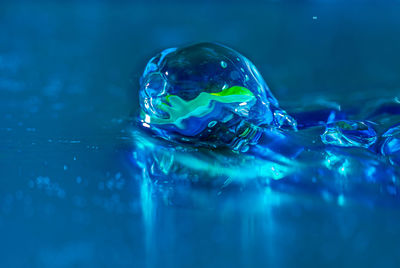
pixel 327 171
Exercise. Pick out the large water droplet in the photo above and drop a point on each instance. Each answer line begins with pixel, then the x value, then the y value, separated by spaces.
pixel 346 133
pixel 184 90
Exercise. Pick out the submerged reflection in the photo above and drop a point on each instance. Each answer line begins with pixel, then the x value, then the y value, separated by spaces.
pixel 257 190
pixel 170 171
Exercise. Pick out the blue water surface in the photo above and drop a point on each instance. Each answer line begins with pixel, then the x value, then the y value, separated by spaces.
pixel 82 186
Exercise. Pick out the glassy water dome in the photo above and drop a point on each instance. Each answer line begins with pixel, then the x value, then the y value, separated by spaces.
pixel 207 94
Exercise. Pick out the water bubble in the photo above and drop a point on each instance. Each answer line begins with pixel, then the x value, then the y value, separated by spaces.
pixel 212 123
pixel 223 64
pixel 347 133
pixel 185 89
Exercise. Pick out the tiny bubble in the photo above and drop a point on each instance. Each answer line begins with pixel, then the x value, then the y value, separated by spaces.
pixel 212 124
pixel 223 64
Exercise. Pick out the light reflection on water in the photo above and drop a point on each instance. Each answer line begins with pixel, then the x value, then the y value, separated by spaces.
pixel 68 75
pixel 267 198
pixel 267 216
pixel 344 173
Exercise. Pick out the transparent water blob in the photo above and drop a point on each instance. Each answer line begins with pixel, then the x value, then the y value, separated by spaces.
pixel 207 94
pixel 348 133
pixel 391 144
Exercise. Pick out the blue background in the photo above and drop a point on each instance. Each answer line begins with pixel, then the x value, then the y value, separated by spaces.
pixel 69 196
